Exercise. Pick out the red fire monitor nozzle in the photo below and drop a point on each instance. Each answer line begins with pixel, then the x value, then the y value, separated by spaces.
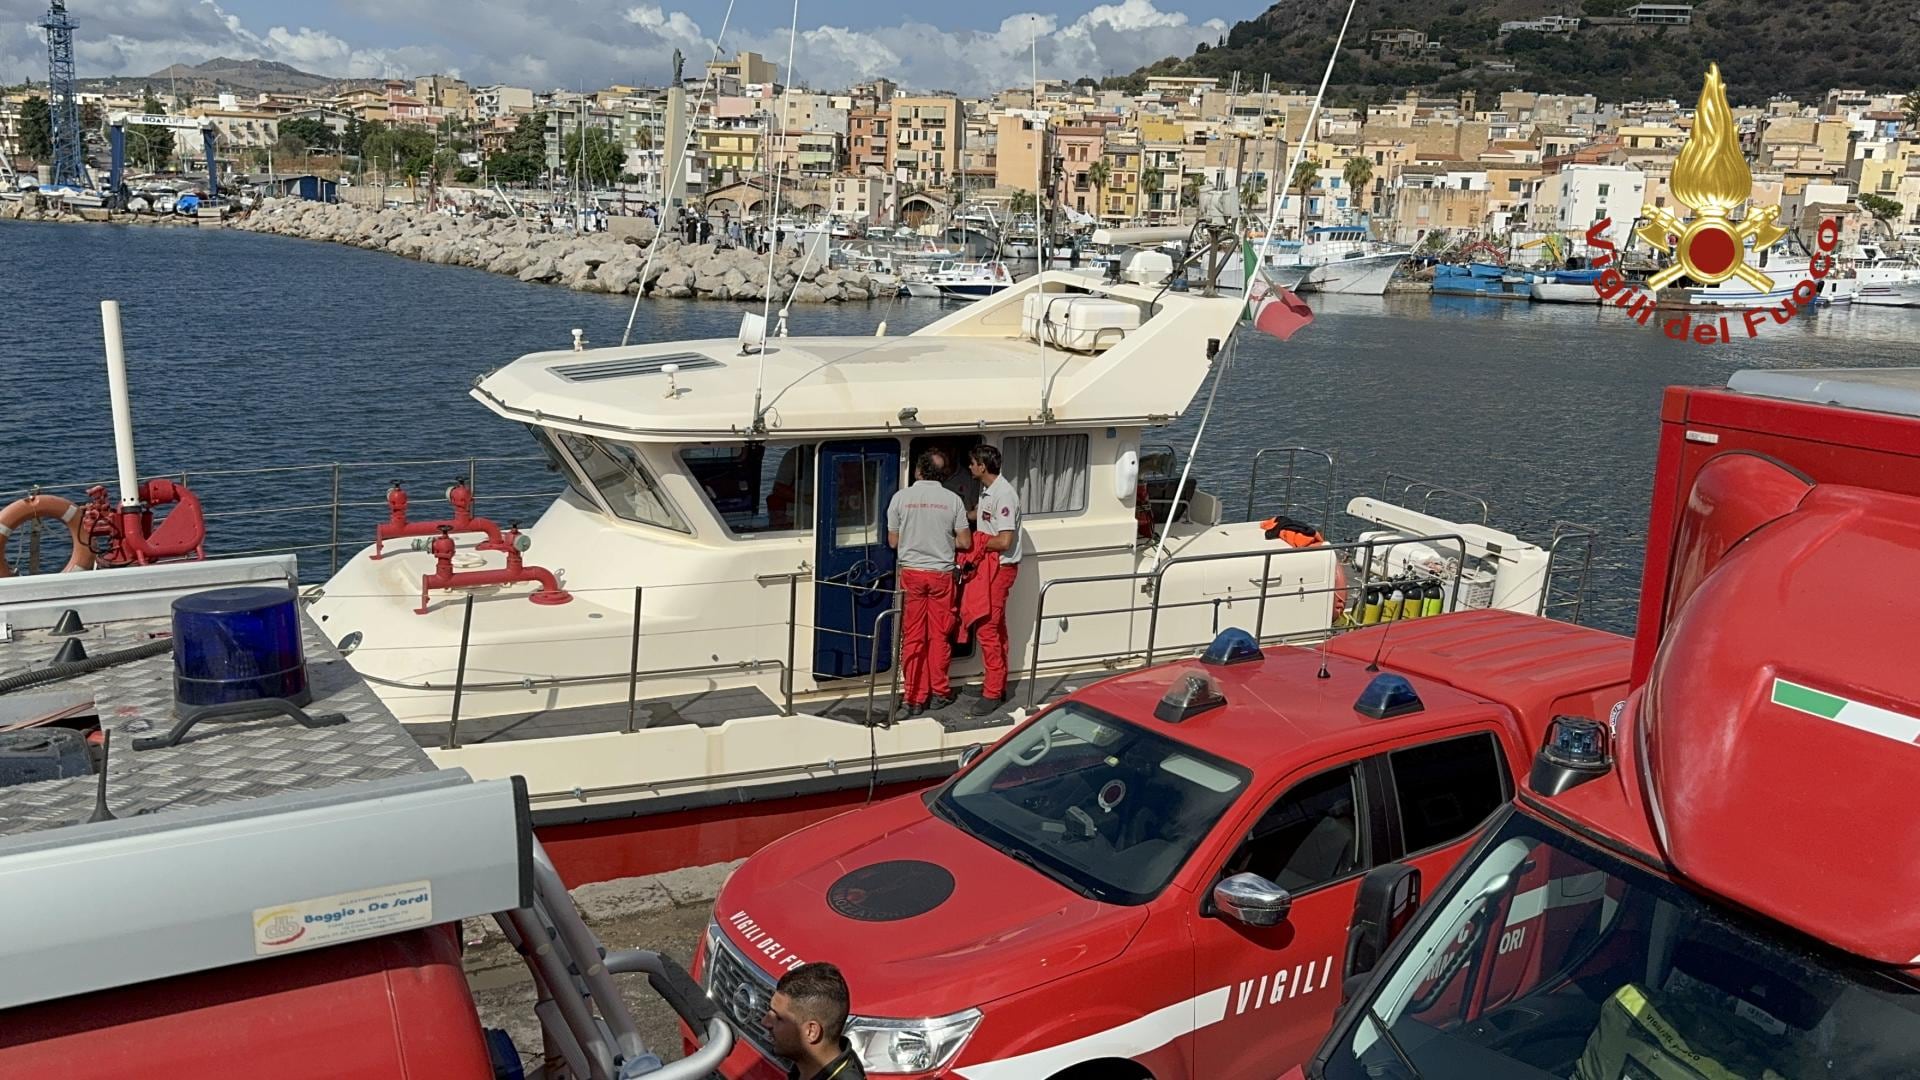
pixel 444 576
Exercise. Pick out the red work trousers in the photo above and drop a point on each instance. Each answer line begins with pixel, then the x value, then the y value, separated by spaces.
pixel 993 632
pixel 926 634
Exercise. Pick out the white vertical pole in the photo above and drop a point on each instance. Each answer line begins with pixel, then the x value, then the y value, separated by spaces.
pixel 122 406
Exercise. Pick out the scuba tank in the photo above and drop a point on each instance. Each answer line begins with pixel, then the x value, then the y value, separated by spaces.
pixel 1410 609
pixel 1370 606
pixel 1435 599
pixel 1390 608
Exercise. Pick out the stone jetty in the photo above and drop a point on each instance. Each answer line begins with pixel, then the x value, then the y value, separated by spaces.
pixel 596 262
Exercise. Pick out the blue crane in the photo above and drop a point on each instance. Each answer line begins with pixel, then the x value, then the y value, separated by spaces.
pixel 69 141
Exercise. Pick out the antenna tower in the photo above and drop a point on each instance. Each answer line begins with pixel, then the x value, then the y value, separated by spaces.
pixel 69 154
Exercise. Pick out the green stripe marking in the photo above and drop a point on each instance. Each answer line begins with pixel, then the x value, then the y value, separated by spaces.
pixel 1807 700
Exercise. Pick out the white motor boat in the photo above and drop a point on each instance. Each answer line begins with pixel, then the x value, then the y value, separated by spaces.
pixel 710 620
pixel 1779 263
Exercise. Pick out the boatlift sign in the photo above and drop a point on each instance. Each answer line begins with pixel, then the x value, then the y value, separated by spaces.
pixel 1711 177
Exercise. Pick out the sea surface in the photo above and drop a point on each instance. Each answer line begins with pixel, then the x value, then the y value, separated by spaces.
pixel 249 351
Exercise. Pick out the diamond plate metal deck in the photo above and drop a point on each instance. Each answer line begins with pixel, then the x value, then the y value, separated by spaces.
pixel 219 761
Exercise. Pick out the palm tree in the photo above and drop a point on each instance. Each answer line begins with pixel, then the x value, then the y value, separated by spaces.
pixel 1151 182
pixel 1911 106
pixel 1098 174
pixel 1304 177
pixel 1190 190
pixel 1358 173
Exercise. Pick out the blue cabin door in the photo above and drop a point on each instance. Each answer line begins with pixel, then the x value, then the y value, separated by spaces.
pixel 853 565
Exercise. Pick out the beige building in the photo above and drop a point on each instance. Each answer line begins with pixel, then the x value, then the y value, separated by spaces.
pixel 747 69
pixel 862 198
pixel 730 153
pixel 445 92
pixel 1016 155
pixel 1120 200
pixel 925 149
pixel 1419 211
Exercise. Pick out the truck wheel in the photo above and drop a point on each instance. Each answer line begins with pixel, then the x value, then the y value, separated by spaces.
pixel 1105 1069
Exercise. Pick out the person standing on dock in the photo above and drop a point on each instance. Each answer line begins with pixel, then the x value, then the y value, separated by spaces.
pixel 997 550
pixel 926 524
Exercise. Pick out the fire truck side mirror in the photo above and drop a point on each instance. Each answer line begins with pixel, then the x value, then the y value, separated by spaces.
pixel 1252 900
pixel 1388 897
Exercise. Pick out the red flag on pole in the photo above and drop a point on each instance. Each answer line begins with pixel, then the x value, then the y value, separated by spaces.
pixel 1275 310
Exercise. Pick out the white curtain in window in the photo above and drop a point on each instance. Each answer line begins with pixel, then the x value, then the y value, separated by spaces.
pixel 1048 472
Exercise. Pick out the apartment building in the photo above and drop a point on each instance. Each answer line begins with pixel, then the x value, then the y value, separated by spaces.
pixel 867 138
pixel 1577 196
pixel 746 69
pixel 925 149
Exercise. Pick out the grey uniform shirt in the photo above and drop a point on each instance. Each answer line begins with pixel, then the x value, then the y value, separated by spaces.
pixel 926 516
pixel 1000 512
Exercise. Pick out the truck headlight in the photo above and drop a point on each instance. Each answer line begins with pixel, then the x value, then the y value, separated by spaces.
pixel 910 1046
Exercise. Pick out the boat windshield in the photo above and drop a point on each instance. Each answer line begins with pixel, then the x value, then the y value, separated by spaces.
pixel 615 472
pixel 1106 808
pixel 1549 958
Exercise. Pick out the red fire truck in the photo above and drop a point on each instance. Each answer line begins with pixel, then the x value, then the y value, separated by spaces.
pixel 1154 876
pixel 1716 881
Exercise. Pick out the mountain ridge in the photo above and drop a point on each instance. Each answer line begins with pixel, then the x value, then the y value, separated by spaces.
pixel 1801 48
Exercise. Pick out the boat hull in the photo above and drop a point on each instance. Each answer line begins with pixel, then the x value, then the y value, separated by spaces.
pixel 1550 292
pixel 1367 275
pixel 1889 293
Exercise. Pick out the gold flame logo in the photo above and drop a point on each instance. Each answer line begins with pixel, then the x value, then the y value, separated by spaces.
pixel 1711 177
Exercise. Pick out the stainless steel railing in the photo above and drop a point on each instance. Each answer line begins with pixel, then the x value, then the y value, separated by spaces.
pixel 1154 587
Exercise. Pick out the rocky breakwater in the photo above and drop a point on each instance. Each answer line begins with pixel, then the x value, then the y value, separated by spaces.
pixel 596 262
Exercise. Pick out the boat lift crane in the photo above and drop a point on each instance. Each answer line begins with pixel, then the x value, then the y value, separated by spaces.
pixel 117 138
pixel 69 141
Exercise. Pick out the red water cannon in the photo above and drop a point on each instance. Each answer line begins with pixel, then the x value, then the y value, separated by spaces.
pixel 459 496
pixel 125 535
pixel 444 576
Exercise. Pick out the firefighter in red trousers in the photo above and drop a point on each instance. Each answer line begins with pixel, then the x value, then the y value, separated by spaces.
pixel 926 524
pixel 998 554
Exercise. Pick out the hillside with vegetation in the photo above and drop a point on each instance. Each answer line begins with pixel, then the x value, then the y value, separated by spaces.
pixel 1765 47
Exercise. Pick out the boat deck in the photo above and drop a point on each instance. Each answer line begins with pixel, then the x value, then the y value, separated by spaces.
pixel 714 708
pixel 218 761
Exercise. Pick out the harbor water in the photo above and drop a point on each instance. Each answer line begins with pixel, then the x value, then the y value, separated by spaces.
pixel 249 351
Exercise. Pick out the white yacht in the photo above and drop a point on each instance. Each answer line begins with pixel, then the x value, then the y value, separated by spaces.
pixel 720 626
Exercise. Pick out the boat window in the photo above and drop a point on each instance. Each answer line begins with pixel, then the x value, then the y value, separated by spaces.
pixel 1048 472
pixel 756 487
pixel 616 472
pixel 856 516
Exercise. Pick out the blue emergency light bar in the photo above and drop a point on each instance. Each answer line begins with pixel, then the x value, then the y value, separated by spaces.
pixel 1232 646
pixel 1388 696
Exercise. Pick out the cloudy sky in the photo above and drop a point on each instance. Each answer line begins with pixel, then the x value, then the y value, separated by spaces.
pixel 971 47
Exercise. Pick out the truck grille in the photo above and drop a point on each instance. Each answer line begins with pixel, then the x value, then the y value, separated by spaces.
pixel 741 990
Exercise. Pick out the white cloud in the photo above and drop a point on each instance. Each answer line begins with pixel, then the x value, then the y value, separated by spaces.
pixel 545 43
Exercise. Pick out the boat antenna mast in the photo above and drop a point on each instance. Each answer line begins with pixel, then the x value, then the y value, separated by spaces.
pixel 759 425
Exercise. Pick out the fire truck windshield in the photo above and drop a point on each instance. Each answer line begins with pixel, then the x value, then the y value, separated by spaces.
pixel 1106 808
pixel 1549 958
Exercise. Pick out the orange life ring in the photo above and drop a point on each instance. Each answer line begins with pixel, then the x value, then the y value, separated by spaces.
pixel 46 507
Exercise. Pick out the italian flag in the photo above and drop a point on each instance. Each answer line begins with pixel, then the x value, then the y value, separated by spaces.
pixel 1854 714
pixel 1270 308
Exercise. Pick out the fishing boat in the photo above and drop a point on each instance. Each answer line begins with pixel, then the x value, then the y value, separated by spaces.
pixel 1343 259
pixel 1565 286
pixel 1885 279
pixel 1486 281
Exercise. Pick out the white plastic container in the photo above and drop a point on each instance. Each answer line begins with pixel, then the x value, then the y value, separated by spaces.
pixel 1077 323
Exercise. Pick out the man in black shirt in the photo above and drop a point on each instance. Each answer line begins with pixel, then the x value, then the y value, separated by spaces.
pixel 804 1024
